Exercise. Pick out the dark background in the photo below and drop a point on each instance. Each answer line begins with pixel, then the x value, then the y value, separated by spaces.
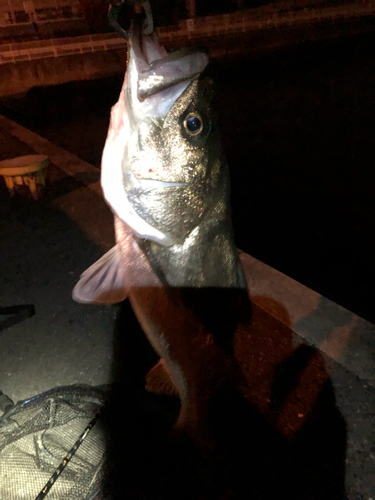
pixel 298 130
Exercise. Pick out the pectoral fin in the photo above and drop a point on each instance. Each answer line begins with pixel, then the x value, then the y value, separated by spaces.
pixel 159 381
pixel 103 282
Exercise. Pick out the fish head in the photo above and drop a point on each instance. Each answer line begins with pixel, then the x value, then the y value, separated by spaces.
pixel 169 167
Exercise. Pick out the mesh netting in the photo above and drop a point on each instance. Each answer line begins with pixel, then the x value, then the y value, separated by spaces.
pixel 37 434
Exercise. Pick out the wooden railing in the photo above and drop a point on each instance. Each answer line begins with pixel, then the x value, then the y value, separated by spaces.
pixel 62 10
pixel 263 18
pixel 39 49
pixel 239 22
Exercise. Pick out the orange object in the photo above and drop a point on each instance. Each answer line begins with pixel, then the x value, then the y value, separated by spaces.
pixel 30 171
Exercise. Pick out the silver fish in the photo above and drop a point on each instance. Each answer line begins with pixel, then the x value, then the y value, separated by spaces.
pixel 166 181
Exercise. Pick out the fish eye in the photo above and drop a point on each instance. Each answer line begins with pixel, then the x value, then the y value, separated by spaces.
pixel 193 124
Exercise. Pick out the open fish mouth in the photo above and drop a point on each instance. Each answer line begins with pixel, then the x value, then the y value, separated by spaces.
pixel 158 70
pixel 176 67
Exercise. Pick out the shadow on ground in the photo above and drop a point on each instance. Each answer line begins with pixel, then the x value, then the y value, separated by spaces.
pixel 281 436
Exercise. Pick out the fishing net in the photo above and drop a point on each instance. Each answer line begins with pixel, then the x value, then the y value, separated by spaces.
pixel 35 437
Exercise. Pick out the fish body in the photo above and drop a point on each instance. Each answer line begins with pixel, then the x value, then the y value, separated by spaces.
pixel 167 183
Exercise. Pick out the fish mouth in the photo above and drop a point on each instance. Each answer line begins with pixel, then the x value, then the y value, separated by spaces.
pixel 158 70
pixel 181 66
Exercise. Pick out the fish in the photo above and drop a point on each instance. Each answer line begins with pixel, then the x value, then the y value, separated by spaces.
pixel 166 180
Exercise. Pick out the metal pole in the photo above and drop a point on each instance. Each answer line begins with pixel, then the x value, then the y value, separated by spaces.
pixel 190 5
pixel 11 12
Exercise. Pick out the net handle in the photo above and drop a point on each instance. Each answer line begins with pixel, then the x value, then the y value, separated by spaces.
pixel 42 495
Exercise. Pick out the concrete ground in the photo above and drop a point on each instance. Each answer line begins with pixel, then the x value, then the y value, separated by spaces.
pixel 44 251
pixel 319 402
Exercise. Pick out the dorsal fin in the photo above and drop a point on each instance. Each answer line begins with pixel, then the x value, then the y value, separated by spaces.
pixel 103 282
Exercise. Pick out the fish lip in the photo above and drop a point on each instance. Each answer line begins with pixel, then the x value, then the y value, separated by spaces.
pixel 151 184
